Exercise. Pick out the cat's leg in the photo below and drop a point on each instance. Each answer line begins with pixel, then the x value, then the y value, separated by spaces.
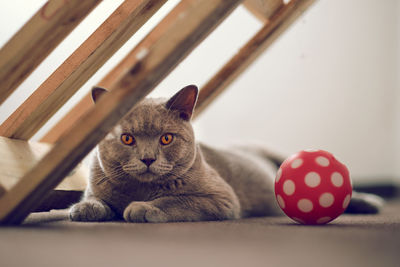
pixel 363 203
pixel 183 208
pixel 91 209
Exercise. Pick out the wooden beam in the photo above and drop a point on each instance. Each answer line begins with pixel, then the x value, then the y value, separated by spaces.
pixel 18 157
pixel 263 9
pixel 78 68
pixel 69 119
pixel 37 38
pixel 112 77
pixel 219 82
pixel 277 24
pixel 156 61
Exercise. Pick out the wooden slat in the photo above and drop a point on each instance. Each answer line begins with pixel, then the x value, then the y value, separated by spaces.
pixel 219 82
pixel 17 157
pixel 277 24
pixel 112 77
pixel 189 28
pixel 263 9
pixel 66 122
pixel 78 68
pixel 37 38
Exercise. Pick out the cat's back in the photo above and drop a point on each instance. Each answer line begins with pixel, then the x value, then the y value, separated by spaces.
pixel 250 172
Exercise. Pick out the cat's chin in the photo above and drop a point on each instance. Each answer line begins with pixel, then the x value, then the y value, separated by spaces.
pixel 146 177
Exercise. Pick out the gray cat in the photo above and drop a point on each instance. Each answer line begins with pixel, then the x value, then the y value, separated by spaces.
pixel 150 169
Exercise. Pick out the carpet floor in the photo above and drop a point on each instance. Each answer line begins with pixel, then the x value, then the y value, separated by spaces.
pixel 50 239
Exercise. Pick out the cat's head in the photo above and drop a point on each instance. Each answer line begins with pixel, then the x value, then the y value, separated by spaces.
pixel 154 141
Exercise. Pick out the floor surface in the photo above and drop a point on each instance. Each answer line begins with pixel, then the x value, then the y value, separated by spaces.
pixel 50 239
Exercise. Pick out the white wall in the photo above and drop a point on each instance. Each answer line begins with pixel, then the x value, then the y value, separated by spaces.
pixel 329 82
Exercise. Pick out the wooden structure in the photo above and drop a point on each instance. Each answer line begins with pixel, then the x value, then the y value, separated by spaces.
pixel 130 81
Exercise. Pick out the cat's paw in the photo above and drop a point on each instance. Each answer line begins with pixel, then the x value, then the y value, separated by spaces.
pixel 144 212
pixel 90 210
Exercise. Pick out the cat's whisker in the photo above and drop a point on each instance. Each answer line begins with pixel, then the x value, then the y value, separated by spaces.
pixel 111 174
pixel 104 179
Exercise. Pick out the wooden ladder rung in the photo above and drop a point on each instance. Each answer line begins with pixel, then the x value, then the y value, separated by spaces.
pixel 31 44
pixel 273 28
pixel 112 77
pixel 18 157
pixel 280 16
pixel 78 68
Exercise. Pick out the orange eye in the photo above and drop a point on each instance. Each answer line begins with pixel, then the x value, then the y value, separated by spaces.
pixel 166 139
pixel 127 139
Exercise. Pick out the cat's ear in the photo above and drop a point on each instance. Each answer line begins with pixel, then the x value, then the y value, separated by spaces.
pixel 184 101
pixel 97 92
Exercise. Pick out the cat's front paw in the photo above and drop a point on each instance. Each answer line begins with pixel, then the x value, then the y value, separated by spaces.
pixel 90 210
pixel 144 212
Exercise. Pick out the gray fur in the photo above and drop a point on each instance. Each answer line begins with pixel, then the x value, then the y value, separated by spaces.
pixel 187 181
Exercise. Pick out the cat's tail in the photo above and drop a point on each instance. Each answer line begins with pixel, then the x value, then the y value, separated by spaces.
pixel 365 203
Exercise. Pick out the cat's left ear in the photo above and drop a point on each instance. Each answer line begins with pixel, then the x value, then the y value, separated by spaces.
pixel 184 101
pixel 97 92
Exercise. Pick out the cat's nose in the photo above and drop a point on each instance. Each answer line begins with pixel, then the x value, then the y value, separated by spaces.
pixel 148 161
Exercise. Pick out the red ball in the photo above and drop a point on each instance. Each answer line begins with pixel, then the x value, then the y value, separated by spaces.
pixel 313 187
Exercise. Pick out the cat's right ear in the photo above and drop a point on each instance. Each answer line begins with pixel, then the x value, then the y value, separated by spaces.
pixel 184 101
pixel 97 92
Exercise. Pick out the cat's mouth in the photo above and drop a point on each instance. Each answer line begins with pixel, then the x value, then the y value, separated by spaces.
pixel 141 174
pixel 147 173
pixel 147 176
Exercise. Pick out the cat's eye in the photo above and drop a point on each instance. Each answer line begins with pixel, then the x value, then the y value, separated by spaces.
pixel 166 139
pixel 127 139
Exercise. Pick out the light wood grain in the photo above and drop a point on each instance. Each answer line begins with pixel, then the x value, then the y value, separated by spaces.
pixel 220 81
pixel 78 68
pixel 188 29
pixel 277 24
pixel 18 157
pixel 37 38
pixel 112 77
pixel 263 9
pixel 69 119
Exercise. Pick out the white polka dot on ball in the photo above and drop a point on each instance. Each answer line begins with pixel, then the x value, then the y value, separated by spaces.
pixel 346 201
pixel 337 179
pixel 312 179
pixel 296 163
pixel 311 150
pixel 322 161
pixel 326 200
pixel 281 202
pixel 324 220
pixel 278 175
pixel 305 205
pixel 289 187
